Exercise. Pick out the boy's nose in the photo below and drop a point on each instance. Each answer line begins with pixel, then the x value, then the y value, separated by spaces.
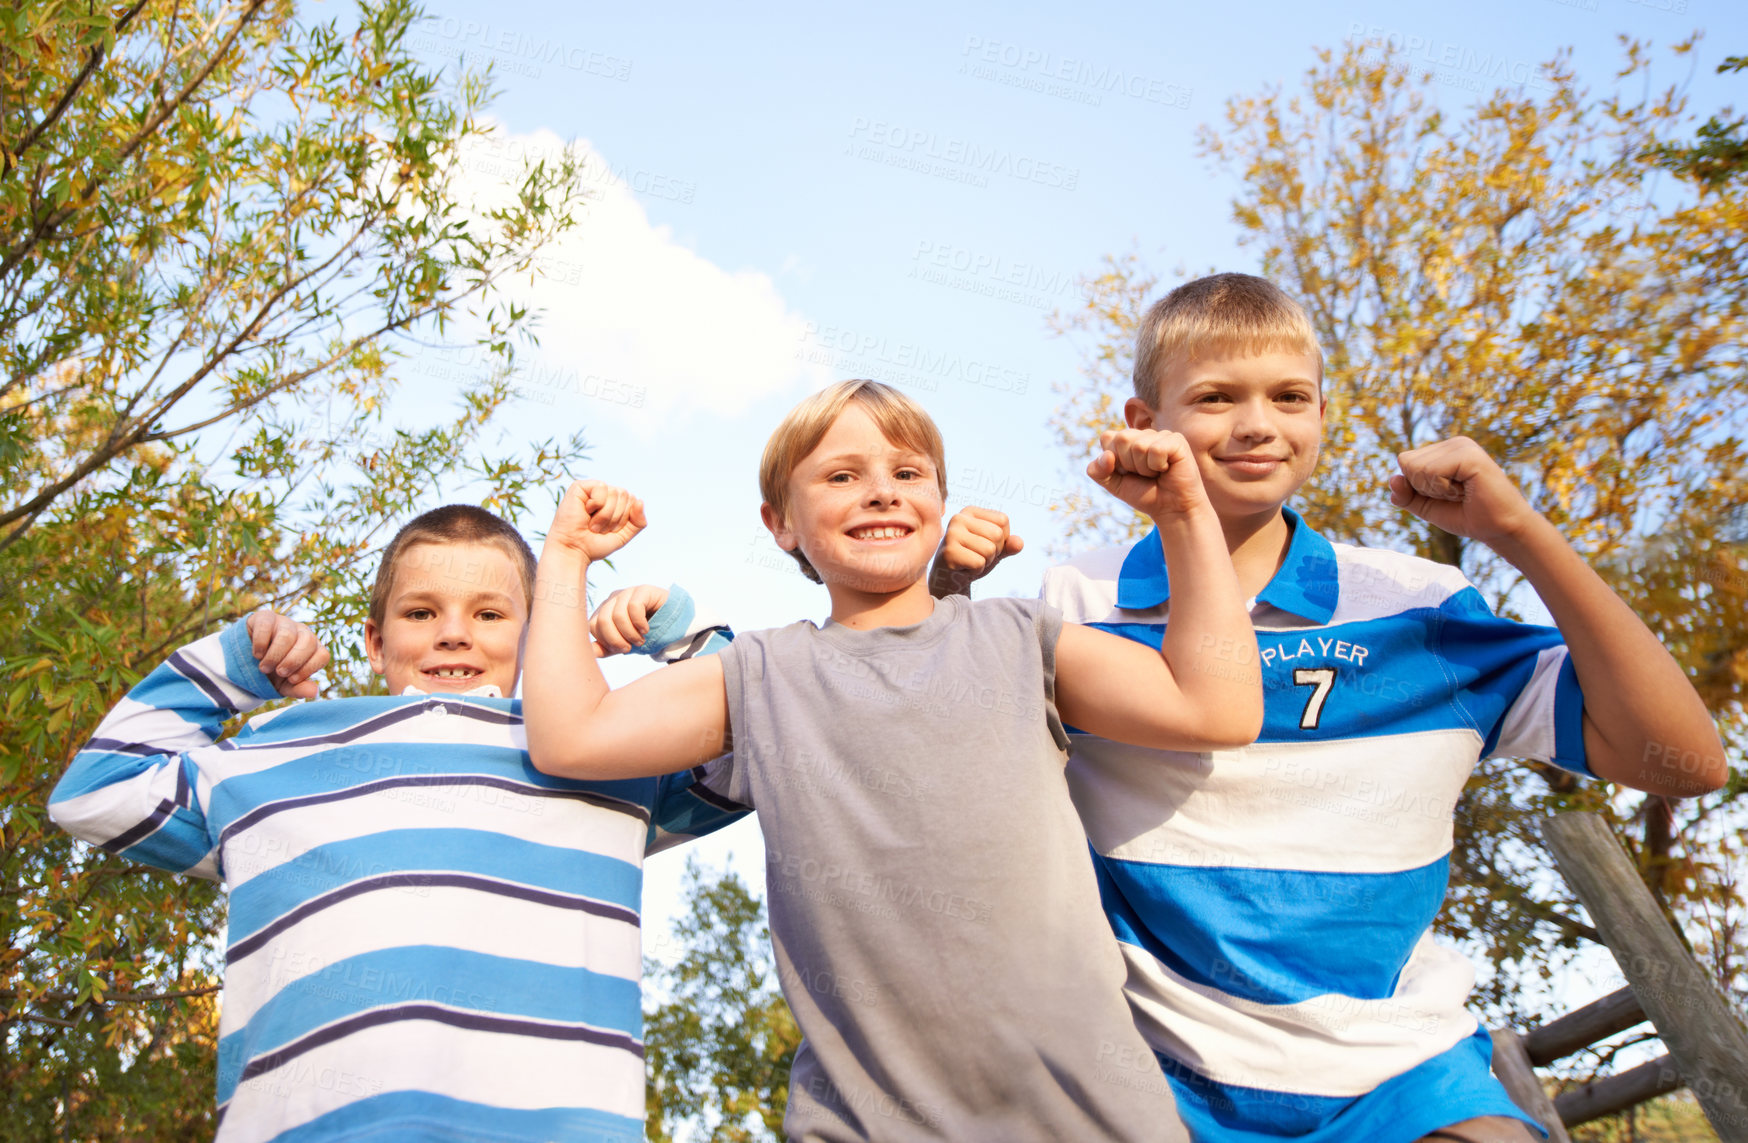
pixel 1252 422
pixel 453 633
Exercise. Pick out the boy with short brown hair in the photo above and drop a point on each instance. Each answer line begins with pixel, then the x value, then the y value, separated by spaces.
pixel 427 937
pixel 1274 902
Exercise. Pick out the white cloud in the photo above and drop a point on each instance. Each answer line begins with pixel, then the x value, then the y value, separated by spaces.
pixel 632 317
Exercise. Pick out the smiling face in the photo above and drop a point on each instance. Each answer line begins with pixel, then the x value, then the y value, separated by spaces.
pixel 454 620
pixel 1253 424
pixel 864 511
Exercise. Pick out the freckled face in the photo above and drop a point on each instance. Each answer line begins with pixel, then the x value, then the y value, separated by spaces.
pixel 454 621
pixel 1253 423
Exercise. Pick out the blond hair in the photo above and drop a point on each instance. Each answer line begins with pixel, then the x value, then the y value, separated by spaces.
pixel 900 419
pixel 1222 315
pixel 452 524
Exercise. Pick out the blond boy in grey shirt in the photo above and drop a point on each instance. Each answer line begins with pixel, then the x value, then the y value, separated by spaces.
pixel 934 911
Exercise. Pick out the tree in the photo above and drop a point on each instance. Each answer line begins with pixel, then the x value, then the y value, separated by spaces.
pixel 219 228
pixel 1518 274
pixel 1718 154
pixel 720 1046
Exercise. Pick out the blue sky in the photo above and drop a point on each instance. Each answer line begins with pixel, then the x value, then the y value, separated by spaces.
pixel 799 194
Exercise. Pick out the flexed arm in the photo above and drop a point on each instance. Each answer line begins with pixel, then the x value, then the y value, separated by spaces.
pixel 578 727
pixel 1644 724
pixel 1203 689
pixel 133 788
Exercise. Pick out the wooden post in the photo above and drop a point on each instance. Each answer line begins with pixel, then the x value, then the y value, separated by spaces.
pixel 1511 1064
pixel 1704 1035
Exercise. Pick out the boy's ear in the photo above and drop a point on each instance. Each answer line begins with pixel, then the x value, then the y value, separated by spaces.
pixel 373 644
pixel 778 527
pixel 1136 412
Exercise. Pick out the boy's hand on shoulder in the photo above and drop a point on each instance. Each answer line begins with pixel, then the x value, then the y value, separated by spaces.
pixel 1151 470
pixel 287 652
pixel 1456 486
pixel 596 519
pixel 977 539
pixel 622 620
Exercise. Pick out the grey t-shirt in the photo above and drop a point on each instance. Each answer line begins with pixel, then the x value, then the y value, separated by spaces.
pixel 934 910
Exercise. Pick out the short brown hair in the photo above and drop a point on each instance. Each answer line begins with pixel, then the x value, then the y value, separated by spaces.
pixel 452 524
pixel 902 420
pixel 1222 315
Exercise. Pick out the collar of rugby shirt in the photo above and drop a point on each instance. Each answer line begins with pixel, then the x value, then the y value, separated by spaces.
pixel 1305 584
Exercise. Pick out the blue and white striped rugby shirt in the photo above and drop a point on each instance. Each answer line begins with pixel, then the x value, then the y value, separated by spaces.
pixel 1274 902
pixel 427 936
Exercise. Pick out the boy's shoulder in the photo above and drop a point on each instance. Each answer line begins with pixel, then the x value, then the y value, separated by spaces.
pixel 1085 587
pixel 1375 582
pixel 1370 582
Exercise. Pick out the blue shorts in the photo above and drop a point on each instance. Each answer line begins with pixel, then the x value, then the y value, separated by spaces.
pixel 1446 1089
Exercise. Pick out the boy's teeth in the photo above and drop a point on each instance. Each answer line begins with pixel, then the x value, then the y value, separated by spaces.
pixel 452 672
pixel 880 533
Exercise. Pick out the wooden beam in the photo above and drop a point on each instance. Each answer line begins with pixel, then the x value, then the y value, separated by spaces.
pixel 1511 1064
pixel 1618 1092
pixel 1705 1036
pixel 1583 1027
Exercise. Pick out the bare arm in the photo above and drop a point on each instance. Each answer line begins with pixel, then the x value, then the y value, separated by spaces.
pixel 577 727
pixel 1644 724
pixel 1203 689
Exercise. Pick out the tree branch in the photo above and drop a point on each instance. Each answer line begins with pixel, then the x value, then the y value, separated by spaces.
pixel 49 224
pixel 66 100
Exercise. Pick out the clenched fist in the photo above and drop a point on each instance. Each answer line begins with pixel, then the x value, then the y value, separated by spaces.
pixel 1456 486
pixel 1151 470
pixel 977 539
pixel 596 519
pixel 622 620
pixel 287 652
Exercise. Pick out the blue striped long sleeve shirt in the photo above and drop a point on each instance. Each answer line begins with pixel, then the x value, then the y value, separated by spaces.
pixel 427 937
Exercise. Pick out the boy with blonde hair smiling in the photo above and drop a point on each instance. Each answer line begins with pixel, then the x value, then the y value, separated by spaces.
pixel 427 937
pixel 1274 902
pixel 933 909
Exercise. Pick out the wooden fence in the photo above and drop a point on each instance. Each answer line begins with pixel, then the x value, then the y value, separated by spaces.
pixel 1706 1042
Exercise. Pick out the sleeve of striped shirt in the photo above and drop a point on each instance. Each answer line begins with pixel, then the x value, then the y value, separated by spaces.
pixel 678 630
pixel 134 788
pixel 684 807
pixel 1516 683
